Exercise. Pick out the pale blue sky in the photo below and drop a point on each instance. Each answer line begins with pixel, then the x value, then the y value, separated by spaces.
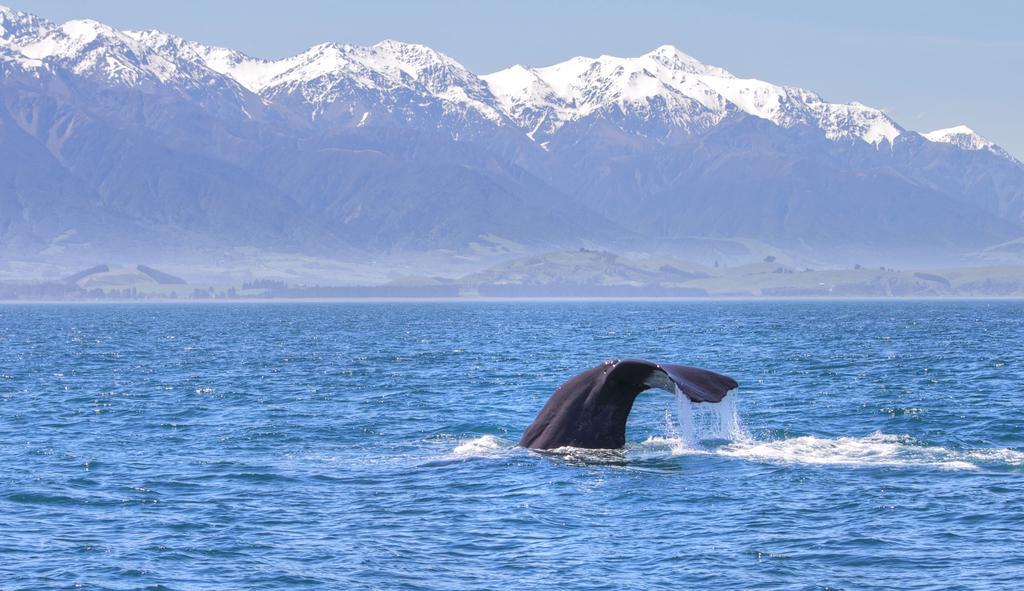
pixel 929 64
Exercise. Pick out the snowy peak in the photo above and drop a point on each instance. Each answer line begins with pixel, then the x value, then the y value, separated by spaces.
pixel 966 138
pixel 90 49
pixel 16 26
pixel 961 135
pixel 671 57
pixel 433 69
pixel 85 31
pixel 388 60
pixel 662 86
pixel 413 65
pixel 520 87
pixel 677 89
pixel 257 75
pixel 331 72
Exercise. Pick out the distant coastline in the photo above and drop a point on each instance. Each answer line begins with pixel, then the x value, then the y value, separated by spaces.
pixel 524 299
pixel 577 274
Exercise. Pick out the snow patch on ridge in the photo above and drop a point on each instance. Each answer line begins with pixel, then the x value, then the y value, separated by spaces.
pixel 966 138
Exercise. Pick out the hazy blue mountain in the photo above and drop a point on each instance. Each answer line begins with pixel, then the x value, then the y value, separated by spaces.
pixel 117 142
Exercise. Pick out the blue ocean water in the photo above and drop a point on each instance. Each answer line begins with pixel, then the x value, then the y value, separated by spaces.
pixel 372 446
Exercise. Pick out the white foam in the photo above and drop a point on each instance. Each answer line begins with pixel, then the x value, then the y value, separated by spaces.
pixel 877 449
pixel 656 445
pixel 1001 455
pixel 481 446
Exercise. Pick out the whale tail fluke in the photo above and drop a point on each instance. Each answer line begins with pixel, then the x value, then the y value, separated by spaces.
pixel 590 409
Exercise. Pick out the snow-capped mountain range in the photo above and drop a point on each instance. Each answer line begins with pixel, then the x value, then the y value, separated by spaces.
pixel 587 134
pixel 663 84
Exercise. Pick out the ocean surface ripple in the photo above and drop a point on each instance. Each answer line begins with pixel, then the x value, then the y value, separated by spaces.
pixel 372 446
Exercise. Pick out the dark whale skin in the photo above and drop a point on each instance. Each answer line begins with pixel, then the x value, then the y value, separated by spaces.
pixel 590 410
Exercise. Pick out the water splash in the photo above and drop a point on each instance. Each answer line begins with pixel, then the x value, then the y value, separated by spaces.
pixel 727 418
pixel 708 421
pixel 687 432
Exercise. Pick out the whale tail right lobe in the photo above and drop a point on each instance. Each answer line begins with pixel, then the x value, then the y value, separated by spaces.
pixel 699 385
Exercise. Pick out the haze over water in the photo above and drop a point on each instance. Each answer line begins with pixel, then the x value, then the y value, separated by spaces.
pixel 372 445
